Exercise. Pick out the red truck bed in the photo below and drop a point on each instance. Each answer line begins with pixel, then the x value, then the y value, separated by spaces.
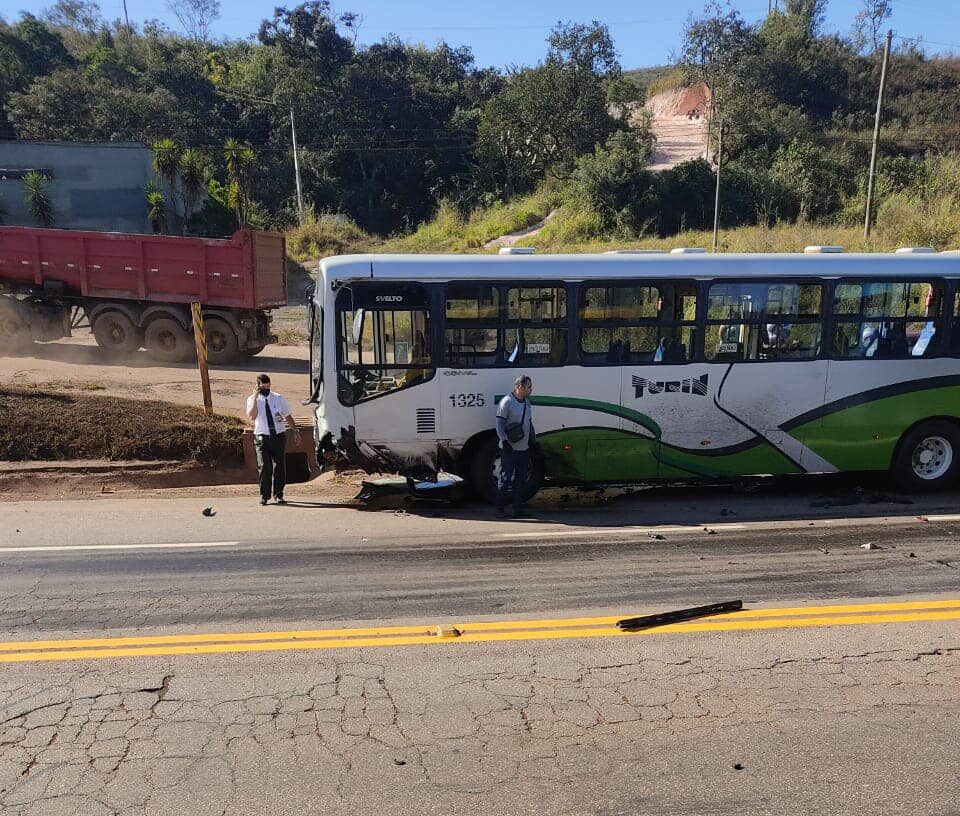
pixel 248 271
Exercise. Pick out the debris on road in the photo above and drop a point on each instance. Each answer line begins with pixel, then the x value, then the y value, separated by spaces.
pixel 824 550
pixel 663 618
pixel 738 766
pixel 445 631
pixel 922 518
pixel 869 546
pixel 209 512
pixel 657 536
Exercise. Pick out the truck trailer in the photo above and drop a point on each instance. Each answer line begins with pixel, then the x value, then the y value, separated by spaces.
pixel 135 290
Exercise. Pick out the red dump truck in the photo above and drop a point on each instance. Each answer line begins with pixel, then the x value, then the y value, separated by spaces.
pixel 136 290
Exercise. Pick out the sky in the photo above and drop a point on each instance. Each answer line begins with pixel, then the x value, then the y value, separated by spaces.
pixel 503 33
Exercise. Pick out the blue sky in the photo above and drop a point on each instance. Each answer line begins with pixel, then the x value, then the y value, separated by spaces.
pixel 509 32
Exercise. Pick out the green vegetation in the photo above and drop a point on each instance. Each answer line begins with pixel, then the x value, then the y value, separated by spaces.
pixel 409 148
pixel 97 427
pixel 37 196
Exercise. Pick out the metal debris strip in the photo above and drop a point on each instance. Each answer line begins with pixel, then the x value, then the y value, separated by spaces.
pixel 663 618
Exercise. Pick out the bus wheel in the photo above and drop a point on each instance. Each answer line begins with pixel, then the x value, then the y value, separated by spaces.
pixel 116 334
pixel 928 456
pixel 485 472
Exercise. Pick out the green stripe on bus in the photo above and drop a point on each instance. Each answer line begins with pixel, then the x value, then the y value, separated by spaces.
pixel 596 405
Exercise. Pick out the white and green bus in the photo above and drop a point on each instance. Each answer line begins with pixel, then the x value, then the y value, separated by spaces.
pixel 645 365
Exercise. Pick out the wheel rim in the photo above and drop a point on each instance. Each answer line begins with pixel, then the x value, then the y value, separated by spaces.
pixel 167 340
pixel 216 342
pixel 932 458
pixel 118 336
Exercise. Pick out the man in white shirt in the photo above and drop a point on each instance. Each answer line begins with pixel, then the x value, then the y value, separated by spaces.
pixel 270 414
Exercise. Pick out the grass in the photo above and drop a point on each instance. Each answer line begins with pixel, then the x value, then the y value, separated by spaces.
pixel 448 231
pixel 45 425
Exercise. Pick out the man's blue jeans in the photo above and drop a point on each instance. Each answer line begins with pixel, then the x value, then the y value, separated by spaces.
pixel 514 467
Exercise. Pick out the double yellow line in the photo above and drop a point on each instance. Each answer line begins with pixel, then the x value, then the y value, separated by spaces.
pixel 479 632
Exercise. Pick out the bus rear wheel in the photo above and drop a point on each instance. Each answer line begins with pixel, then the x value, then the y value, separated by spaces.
pixel 928 457
pixel 485 472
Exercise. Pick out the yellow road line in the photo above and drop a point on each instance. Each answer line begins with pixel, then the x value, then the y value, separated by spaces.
pixel 717 624
pixel 478 626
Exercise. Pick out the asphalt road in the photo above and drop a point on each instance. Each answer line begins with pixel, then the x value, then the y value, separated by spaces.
pixel 282 660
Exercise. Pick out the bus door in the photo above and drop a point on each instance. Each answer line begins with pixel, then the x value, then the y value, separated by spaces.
pixel 385 366
pixel 764 343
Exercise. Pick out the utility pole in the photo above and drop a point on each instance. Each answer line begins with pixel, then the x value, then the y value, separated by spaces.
pixel 296 166
pixel 876 136
pixel 126 16
pixel 716 198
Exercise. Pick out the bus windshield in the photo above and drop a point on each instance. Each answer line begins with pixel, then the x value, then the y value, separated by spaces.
pixel 382 340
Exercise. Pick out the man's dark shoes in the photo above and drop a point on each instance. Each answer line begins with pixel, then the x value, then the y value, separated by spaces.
pixel 280 500
pixel 263 502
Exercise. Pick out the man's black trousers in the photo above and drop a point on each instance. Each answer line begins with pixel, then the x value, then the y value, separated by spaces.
pixel 271 463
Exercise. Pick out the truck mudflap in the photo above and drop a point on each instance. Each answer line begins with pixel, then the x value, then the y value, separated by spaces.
pixel 422 465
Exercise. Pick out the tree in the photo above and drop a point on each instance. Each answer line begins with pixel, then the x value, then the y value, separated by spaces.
pixel 37 197
pixel 81 15
pixel 196 17
pixel 166 161
pixel 239 161
pixel 868 24
pixel 809 13
pixel 156 208
pixel 545 117
pixel 194 175
pixel 715 52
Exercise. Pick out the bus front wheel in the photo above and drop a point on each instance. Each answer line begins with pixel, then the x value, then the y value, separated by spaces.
pixel 928 457
pixel 485 472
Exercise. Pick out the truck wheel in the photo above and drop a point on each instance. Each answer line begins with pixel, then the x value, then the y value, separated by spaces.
pixel 928 457
pixel 116 334
pixel 14 330
pixel 221 341
pixel 485 472
pixel 168 341
pixel 253 351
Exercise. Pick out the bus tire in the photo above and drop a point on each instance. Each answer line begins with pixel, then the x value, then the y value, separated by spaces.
pixel 168 341
pixel 116 334
pixel 222 343
pixel 928 456
pixel 485 470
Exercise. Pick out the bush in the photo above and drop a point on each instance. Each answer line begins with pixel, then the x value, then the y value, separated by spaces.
pixel 323 235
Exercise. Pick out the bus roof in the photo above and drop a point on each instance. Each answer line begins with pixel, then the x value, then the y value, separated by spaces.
pixel 587 266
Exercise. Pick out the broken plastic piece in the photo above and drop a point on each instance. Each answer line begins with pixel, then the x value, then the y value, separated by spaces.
pixel 663 618
pixel 445 631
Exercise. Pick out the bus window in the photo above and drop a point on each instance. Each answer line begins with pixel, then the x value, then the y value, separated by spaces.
pixel 537 305
pixel 469 347
pixel 468 301
pixel 381 350
pixel 631 323
pixel 884 319
pixel 763 321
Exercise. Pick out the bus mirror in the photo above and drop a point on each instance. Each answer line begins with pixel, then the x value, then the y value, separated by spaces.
pixel 356 330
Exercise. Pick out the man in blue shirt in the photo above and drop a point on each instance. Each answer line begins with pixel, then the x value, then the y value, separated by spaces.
pixel 517 439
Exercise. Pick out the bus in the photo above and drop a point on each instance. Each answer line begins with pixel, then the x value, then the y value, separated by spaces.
pixel 646 366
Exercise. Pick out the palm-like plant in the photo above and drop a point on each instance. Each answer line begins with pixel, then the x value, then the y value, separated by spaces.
pixel 156 208
pixel 239 160
pixel 194 174
pixel 166 161
pixel 38 197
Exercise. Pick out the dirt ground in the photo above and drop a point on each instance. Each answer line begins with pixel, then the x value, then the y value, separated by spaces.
pixel 77 363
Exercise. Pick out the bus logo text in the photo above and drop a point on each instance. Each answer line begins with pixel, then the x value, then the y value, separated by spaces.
pixel 689 386
pixel 389 298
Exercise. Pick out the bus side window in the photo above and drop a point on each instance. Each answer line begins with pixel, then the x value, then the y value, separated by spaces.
pixel 886 319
